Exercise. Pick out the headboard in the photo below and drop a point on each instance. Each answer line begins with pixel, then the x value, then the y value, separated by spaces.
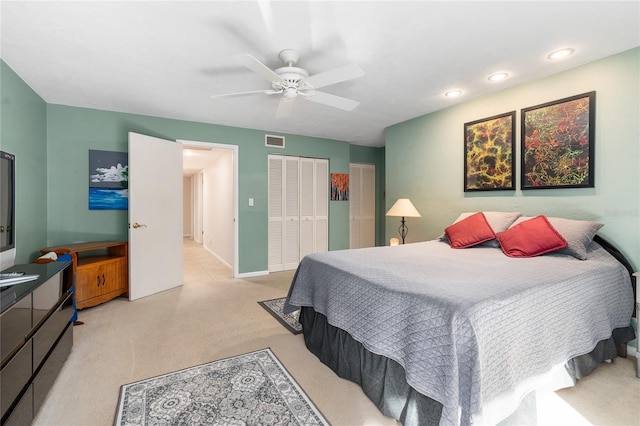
pixel 622 259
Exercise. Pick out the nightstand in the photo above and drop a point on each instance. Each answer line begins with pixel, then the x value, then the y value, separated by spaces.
pixel 637 275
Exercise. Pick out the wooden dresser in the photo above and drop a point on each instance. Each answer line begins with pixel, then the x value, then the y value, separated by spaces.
pixel 100 270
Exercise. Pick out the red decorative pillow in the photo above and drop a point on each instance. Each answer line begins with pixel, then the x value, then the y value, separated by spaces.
pixel 531 238
pixel 470 231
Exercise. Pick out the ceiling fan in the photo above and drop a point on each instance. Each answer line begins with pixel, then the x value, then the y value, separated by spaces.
pixel 291 82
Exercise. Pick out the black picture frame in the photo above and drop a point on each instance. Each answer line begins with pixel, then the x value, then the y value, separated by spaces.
pixel 489 153
pixel 558 143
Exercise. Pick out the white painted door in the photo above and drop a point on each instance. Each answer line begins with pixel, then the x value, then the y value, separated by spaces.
pixel 362 205
pixel 298 209
pixel 155 217
pixel 291 212
pixel 275 213
pixel 307 207
pixel 314 205
pixel 368 206
pixel 321 205
pixel 354 206
pixel 284 213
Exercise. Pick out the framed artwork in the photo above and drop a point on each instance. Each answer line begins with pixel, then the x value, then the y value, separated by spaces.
pixel 339 187
pixel 558 143
pixel 489 148
pixel 108 180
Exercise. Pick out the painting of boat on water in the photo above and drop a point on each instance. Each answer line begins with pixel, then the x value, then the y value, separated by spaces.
pixel 108 180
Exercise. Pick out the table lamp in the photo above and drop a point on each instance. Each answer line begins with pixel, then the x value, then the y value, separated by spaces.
pixel 403 208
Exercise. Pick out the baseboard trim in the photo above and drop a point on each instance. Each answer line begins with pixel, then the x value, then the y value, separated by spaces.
pixel 252 274
pixel 217 257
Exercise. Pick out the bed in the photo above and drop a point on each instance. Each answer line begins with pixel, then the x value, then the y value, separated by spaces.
pixel 440 335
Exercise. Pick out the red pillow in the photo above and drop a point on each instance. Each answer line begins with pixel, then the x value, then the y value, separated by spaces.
pixel 531 238
pixel 470 231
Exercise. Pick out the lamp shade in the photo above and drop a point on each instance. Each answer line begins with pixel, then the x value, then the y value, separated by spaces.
pixel 403 207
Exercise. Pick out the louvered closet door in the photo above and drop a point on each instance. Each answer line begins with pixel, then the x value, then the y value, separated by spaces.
pixel 291 212
pixel 276 214
pixel 307 207
pixel 298 209
pixel 314 205
pixel 362 205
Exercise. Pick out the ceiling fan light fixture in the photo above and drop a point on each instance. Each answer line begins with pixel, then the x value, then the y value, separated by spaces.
pixel 290 93
pixel 560 54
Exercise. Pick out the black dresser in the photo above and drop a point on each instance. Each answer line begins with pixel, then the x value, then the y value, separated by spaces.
pixel 36 337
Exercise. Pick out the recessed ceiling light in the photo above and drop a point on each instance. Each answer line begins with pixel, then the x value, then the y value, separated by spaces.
pixel 453 93
pixel 499 76
pixel 560 54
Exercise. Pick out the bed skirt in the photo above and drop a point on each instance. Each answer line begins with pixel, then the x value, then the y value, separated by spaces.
pixel 383 380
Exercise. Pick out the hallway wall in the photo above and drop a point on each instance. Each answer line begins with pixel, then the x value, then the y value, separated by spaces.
pixel 218 207
pixel 187 223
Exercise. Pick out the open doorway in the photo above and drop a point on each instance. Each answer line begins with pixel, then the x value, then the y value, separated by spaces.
pixel 210 203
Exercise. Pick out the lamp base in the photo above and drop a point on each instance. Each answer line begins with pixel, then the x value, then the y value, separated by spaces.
pixel 403 229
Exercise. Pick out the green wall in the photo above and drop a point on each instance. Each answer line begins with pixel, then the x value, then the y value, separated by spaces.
pixel 23 132
pixel 72 132
pixel 424 157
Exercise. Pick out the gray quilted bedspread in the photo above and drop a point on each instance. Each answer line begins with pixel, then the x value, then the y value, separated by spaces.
pixel 473 328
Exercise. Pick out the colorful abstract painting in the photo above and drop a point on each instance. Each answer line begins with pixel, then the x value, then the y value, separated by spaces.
pixel 339 187
pixel 108 180
pixel 558 143
pixel 489 153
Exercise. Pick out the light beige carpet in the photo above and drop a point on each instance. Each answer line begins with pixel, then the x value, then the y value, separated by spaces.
pixel 213 316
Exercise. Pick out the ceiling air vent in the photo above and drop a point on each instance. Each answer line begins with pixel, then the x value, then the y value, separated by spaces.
pixel 274 141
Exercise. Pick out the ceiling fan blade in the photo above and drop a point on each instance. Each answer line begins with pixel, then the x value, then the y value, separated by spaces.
pixel 258 67
pixel 330 100
pixel 251 92
pixel 284 107
pixel 336 75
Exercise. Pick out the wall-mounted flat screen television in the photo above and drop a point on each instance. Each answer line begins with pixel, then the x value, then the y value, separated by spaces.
pixel 7 209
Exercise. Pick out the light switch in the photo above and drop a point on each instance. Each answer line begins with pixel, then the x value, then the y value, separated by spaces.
pixel 250 202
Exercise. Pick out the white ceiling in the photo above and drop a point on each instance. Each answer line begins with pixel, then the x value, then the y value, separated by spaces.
pixel 166 58
pixel 197 157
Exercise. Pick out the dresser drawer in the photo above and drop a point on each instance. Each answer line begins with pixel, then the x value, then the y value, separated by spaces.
pixel 23 413
pixel 15 324
pixel 49 370
pixel 51 329
pixel 14 376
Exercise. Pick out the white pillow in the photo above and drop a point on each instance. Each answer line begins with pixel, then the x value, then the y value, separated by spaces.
pixel 578 233
pixel 499 221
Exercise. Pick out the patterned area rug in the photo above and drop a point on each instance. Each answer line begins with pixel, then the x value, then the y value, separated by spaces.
pixel 249 389
pixel 276 308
